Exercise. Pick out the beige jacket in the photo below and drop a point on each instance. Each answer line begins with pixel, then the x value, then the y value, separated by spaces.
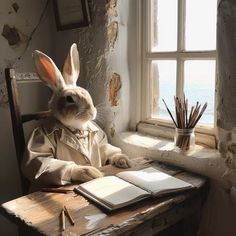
pixel 53 150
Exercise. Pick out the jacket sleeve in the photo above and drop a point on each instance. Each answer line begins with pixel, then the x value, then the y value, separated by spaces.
pixel 40 165
pixel 107 150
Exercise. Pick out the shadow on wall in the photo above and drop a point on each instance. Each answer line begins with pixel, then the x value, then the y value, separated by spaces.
pixel 93 46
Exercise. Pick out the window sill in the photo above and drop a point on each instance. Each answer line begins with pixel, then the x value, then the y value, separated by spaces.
pixel 167 130
pixel 201 160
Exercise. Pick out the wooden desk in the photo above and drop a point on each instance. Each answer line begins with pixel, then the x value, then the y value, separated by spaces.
pixel 40 211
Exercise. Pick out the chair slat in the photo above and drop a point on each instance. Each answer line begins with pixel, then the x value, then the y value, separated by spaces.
pixel 17 127
pixel 35 116
pixel 17 120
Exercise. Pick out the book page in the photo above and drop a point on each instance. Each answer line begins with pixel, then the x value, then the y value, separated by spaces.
pixel 154 180
pixel 113 190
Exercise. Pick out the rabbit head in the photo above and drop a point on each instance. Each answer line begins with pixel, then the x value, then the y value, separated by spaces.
pixel 70 104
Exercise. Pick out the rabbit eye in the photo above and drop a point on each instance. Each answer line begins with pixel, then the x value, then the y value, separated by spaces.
pixel 69 99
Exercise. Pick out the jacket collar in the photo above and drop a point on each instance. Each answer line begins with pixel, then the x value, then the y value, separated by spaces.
pixel 91 127
pixel 69 137
pixel 51 125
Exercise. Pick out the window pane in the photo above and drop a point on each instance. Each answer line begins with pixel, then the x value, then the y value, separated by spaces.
pixel 164 25
pixel 200 24
pixel 164 87
pixel 199 85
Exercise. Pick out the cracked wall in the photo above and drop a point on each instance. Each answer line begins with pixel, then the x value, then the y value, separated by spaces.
pixel 11 34
pixel 111 7
pixel 226 85
pixel 114 89
pixel 112 33
pixel 103 54
pixel 24 26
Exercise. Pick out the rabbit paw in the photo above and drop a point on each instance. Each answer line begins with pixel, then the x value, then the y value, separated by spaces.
pixel 121 161
pixel 85 173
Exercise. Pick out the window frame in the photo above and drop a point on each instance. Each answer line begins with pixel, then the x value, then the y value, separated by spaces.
pixel 180 56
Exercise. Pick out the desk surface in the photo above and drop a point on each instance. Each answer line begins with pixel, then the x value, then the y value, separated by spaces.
pixel 40 210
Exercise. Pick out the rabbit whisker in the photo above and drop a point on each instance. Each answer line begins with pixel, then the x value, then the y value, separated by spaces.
pixel 102 108
pixel 79 113
pixel 100 118
pixel 102 104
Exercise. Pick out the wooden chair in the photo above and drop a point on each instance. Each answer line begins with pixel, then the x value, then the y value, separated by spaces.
pixel 17 120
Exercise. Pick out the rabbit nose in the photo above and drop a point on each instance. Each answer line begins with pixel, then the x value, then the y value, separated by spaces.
pixel 69 99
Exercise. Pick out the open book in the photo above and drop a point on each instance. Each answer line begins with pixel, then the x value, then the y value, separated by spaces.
pixel 127 187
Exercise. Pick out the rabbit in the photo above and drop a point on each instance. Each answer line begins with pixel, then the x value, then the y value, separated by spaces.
pixel 69 146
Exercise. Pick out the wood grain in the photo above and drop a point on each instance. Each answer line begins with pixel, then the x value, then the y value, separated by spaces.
pixel 40 210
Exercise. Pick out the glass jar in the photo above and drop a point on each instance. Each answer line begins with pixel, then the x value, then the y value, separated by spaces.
pixel 184 138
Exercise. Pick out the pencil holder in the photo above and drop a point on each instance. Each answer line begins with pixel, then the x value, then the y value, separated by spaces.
pixel 184 138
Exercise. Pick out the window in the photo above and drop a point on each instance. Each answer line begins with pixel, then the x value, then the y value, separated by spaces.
pixel 179 57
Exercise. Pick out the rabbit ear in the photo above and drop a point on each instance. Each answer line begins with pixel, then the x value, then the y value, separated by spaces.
pixel 48 71
pixel 71 67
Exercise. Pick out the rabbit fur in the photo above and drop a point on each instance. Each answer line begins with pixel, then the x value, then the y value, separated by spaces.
pixel 68 146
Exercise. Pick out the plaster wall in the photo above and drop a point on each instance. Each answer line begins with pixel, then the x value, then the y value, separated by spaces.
pixel 28 33
pixel 106 49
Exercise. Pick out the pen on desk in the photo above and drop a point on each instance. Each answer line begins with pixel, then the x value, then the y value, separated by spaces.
pixel 69 216
pixel 56 190
pixel 63 222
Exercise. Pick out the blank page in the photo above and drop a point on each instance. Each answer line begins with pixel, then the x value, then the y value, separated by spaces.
pixel 154 180
pixel 113 190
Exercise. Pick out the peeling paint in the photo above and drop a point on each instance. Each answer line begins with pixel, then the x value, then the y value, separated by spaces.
pixel 227 148
pixel 111 7
pixel 114 88
pixel 15 6
pixel 112 32
pixel 11 34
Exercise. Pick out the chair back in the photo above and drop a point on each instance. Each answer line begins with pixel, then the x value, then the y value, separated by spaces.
pixel 17 120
